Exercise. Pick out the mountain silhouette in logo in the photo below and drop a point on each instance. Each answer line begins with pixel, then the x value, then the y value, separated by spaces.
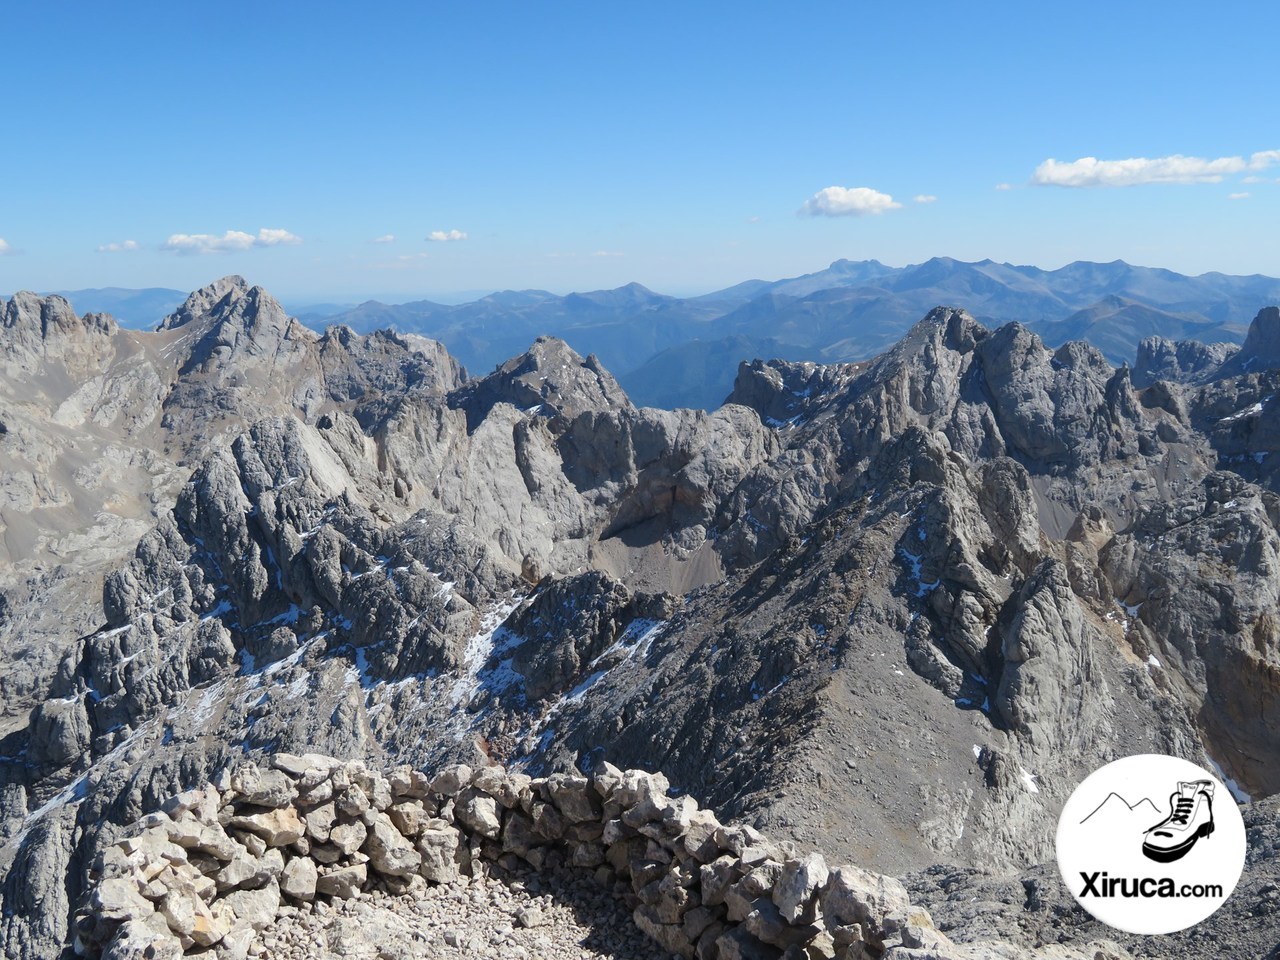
pixel 1116 807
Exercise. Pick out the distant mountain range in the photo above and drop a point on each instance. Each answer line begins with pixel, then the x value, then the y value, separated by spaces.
pixel 670 351
pixel 136 309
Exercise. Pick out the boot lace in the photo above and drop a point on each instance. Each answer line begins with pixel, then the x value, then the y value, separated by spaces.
pixel 1182 810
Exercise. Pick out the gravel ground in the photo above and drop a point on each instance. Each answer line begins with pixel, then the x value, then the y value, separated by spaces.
pixel 525 917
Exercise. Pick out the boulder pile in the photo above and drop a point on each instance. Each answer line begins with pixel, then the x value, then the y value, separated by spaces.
pixel 213 868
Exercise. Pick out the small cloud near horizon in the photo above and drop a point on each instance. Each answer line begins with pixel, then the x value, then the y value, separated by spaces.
pixel 122 246
pixel 607 253
pixel 4 247
pixel 925 198
pixel 848 202
pixel 232 240
pixel 753 219
pixel 446 236
pixel 1238 196
pixel 385 238
pixel 1135 171
pixel 1004 186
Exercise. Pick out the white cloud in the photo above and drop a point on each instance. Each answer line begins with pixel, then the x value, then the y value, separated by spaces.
pixel 1238 196
pixel 208 243
pixel 385 238
pixel 122 246
pixel 607 253
pixel 274 238
pixel 753 219
pixel 1092 172
pixel 1004 186
pixel 413 256
pixel 232 240
pixel 1254 179
pixel 446 236
pixel 4 247
pixel 925 198
pixel 848 202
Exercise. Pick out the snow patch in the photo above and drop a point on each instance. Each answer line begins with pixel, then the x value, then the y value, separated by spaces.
pixel 916 562
pixel 1246 412
pixel 288 618
pixel 197 716
pixel 478 651
pixel 1239 794
pixel 219 609
pixel 299 687
pixel 1029 781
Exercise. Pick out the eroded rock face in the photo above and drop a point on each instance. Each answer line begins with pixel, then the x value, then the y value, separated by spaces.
pixel 1183 361
pixel 1261 348
pixel 102 426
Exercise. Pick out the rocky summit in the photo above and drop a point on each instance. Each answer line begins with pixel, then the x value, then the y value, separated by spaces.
pixel 890 612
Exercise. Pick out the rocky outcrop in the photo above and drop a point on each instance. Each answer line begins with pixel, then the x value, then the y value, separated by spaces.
pixel 102 426
pixel 213 868
pixel 549 373
pixel 1188 361
pixel 1183 361
pixel 782 392
pixel 38 331
pixel 1261 348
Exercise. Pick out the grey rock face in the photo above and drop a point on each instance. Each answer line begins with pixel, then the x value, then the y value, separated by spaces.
pixel 1262 345
pixel 1188 361
pixel 551 374
pixel 101 428
pixel 1184 361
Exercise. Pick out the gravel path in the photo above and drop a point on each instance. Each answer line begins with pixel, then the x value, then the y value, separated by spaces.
pixel 559 916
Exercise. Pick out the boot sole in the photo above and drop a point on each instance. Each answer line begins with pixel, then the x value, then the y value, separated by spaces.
pixel 1169 854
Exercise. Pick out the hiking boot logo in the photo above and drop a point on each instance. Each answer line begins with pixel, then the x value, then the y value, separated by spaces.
pixel 1190 818
pixel 1145 866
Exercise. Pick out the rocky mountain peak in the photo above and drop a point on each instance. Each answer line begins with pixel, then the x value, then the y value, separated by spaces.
pixel 550 375
pixel 36 329
pixel 234 308
pixel 206 301
pixel 48 318
pixel 958 329
pixel 944 330
pixel 1190 361
pixel 1262 345
pixel 1179 361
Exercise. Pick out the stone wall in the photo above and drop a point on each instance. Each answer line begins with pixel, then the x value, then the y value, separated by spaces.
pixel 213 867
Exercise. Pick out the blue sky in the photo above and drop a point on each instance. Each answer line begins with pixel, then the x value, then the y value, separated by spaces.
pixel 581 146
